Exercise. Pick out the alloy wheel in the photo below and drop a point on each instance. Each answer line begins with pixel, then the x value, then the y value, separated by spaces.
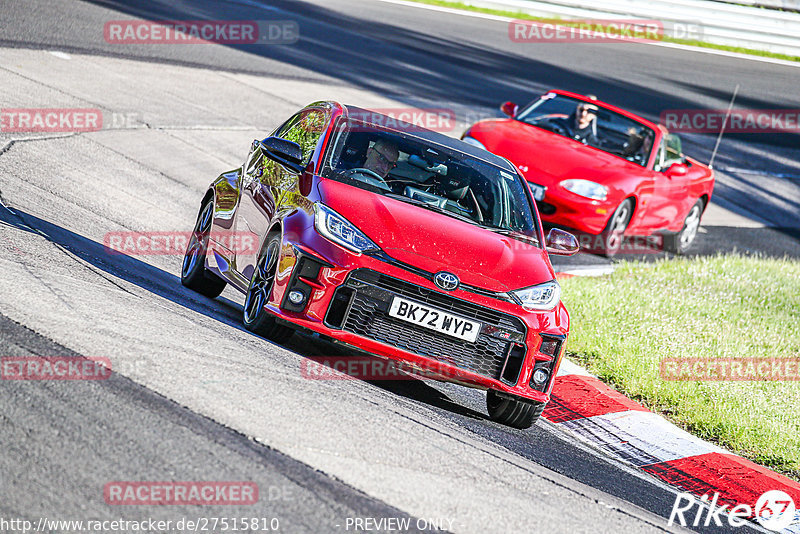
pixel 261 284
pixel 198 242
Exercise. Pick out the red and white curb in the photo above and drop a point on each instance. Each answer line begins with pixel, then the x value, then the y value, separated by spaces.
pixel 596 414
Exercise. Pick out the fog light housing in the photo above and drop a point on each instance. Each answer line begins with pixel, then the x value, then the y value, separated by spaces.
pixel 296 297
pixel 540 376
pixel 550 346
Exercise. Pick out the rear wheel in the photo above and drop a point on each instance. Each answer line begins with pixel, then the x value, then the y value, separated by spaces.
pixel 682 241
pixel 614 232
pixel 194 274
pixel 512 412
pixel 256 318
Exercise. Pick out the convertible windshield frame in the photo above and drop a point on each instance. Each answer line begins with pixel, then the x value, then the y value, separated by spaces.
pixel 616 134
pixel 454 183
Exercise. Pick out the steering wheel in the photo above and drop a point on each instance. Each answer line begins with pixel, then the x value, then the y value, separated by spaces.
pixel 556 122
pixel 368 173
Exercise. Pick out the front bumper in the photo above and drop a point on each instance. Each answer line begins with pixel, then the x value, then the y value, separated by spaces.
pixel 348 297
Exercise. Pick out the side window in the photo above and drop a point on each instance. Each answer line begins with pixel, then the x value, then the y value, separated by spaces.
pixel 305 129
pixel 660 157
pixel 670 152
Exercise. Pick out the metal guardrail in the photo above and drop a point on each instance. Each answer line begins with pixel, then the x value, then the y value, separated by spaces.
pixel 709 21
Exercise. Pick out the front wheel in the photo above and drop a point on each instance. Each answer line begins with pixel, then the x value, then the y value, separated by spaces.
pixel 681 242
pixel 194 274
pixel 256 318
pixel 512 412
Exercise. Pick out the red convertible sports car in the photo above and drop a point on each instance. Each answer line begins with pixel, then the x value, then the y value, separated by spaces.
pixel 403 243
pixel 601 171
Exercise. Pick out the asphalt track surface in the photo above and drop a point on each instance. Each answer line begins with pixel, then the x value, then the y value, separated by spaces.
pixel 194 396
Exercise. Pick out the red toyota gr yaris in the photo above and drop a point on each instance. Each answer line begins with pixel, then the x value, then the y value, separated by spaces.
pixel 400 242
pixel 601 171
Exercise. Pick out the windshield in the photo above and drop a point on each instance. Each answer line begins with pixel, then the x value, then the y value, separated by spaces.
pixel 431 176
pixel 591 124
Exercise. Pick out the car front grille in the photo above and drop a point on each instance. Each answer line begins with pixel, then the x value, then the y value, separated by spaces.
pixel 368 295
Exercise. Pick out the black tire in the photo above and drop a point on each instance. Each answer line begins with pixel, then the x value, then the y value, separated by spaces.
pixel 255 316
pixel 681 242
pixel 194 274
pixel 512 412
pixel 613 234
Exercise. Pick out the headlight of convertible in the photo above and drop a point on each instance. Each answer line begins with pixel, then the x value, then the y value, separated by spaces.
pixel 540 297
pixel 586 188
pixel 474 142
pixel 336 228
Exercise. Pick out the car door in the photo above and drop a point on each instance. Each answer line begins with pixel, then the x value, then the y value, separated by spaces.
pixel 256 207
pixel 670 194
pixel 646 215
pixel 266 185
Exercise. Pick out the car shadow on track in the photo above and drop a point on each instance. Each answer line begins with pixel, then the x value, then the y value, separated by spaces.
pixel 376 371
pixel 168 286
pixel 128 268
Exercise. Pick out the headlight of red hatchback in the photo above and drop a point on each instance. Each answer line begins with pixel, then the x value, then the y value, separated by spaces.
pixel 336 228
pixel 544 296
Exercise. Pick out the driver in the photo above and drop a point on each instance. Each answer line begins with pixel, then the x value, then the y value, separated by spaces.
pixel 381 157
pixel 583 123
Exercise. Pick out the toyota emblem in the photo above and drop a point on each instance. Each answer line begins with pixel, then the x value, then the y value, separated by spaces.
pixel 445 280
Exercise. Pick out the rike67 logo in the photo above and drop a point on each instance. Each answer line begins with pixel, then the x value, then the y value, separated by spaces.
pixel 774 510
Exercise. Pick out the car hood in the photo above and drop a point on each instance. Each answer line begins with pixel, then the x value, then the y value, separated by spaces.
pixel 435 242
pixel 547 158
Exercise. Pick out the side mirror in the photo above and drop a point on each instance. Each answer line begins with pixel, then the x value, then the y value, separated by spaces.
pixel 306 179
pixel 285 152
pixel 677 169
pixel 510 109
pixel 561 243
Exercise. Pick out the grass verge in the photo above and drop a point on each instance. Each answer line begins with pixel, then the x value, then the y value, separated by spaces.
pixel 723 306
pixel 526 16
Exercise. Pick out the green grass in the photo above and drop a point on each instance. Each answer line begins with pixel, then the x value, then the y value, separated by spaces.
pixel 623 324
pixel 525 16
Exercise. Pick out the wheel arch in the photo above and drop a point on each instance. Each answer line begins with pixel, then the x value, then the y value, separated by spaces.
pixel 208 196
pixel 276 226
pixel 705 199
pixel 633 198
